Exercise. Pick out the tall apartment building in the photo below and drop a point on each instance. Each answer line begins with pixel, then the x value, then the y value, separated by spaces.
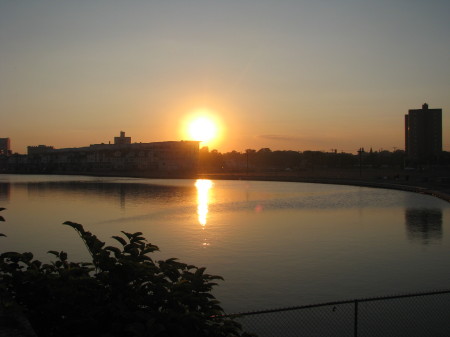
pixel 423 135
pixel 5 146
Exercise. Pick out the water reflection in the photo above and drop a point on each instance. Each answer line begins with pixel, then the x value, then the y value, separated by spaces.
pixel 331 249
pixel 5 191
pixel 424 225
pixel 123 193
pixel 203 186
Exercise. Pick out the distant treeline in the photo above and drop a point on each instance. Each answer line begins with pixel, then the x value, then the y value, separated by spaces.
pixel 267 160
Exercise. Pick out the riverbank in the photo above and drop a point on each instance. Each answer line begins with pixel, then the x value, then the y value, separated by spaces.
pixel 432 181
pixel 435 183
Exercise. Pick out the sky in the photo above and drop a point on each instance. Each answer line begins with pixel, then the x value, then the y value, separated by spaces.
pixel 279 74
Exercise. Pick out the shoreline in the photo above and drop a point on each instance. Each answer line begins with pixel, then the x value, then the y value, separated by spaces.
pixel 421 189
pixel 429 185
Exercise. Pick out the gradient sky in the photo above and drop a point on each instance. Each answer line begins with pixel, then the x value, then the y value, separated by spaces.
pixel 287 74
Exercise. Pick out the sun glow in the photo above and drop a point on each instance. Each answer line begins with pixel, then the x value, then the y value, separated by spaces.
pixel 203 129
pixel 203 125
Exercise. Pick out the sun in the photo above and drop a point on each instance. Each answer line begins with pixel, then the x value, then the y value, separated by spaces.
pixel 203 125
pixel 203 129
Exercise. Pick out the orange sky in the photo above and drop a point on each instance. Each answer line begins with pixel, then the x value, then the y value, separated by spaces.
pixel 297 75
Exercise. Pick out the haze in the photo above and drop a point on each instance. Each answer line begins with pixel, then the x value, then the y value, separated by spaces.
pixel 288 75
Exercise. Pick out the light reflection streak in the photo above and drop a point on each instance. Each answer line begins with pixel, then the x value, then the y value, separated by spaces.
pixel 203 186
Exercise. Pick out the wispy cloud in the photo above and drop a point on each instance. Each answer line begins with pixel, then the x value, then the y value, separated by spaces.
pixel 302 138
pixel 307 142
pixel 280 137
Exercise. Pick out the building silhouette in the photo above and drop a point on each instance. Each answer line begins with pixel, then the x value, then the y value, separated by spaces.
pixel 123 157
pixel 5 146
pixel 122 139
pixel 423 135
pixel 39 149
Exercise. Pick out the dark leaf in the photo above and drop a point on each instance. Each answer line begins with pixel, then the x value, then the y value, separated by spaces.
pixel 27 256
pixel 116 250
pixel 10 255
pixel 75 226
pixel 149 249
pixel 200 271
pixel 137 239
pixel 128 235
pixel 120 239
pixel 63 256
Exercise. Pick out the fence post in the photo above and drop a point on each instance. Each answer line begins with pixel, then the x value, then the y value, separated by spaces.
pixel 355 327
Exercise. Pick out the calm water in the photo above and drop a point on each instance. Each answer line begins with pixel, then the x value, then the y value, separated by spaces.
pixel 276 244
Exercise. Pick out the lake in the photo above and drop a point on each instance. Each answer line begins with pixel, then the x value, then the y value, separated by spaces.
pixel 277 244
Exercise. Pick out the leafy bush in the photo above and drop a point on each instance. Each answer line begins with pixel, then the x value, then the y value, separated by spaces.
pixel 122 292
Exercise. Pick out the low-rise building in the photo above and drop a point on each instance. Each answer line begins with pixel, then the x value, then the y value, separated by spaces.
pixel 38 150
pixel 170 157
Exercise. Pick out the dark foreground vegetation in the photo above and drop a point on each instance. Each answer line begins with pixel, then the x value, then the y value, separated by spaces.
pixel 122 292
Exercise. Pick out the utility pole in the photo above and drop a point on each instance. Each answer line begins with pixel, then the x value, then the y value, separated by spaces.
pixel 360 152
pixel 247 162
pixel 247 154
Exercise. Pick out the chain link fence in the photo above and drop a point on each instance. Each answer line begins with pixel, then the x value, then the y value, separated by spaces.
pixel 419 314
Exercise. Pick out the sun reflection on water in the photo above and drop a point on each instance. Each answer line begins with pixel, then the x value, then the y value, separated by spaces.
pixel 203 186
